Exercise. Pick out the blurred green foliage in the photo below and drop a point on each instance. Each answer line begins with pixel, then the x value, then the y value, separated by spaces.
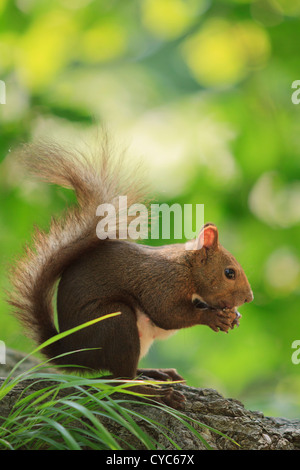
pixel 202 90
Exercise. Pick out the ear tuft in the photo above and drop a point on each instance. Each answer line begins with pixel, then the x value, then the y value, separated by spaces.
pixel 208 237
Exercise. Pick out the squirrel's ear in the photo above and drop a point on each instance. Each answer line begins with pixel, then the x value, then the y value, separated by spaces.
pixel 208 237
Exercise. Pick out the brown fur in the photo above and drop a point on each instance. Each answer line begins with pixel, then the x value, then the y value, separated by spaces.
pixel 99 277
pixel 96 178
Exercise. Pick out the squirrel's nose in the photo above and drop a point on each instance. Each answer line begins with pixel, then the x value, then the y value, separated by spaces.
pixel 249 297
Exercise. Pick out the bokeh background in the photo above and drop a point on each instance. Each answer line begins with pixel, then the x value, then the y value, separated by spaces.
pixel 201 90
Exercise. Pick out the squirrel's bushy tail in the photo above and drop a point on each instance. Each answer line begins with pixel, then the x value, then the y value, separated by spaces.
pixel 97 177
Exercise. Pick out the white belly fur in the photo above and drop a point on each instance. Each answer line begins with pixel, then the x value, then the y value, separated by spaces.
pixel 148 332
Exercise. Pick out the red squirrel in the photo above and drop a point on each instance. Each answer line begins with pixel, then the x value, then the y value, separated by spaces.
pixel 157 290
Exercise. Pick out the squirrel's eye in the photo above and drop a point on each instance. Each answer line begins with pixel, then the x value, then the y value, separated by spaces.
pixel 229 273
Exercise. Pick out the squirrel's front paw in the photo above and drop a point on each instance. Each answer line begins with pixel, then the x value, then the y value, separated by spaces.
pixel 224 320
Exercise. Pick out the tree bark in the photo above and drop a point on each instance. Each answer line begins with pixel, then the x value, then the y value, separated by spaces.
pixel 250 429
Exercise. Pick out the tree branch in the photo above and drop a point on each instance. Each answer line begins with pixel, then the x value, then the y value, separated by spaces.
pixel 250 429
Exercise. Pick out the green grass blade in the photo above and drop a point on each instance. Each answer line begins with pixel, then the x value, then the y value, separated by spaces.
pixel 9 383
pixel 112 443
pixel 65 434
